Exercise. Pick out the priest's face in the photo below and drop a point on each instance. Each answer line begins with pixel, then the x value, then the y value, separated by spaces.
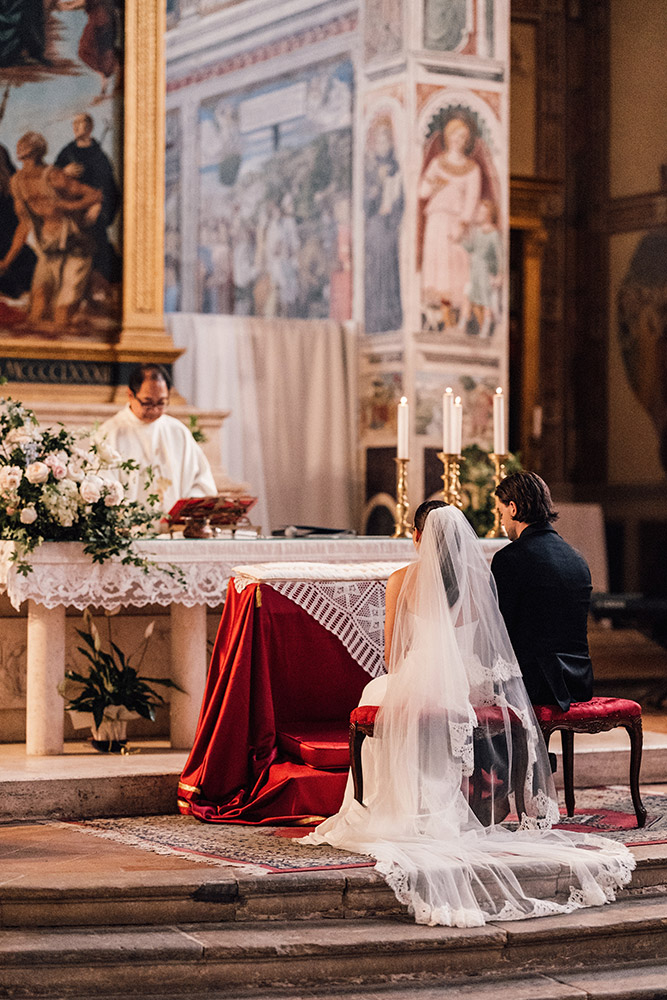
pixel 150 401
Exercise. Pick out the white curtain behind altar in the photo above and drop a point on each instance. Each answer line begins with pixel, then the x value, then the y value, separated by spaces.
pixel 291 388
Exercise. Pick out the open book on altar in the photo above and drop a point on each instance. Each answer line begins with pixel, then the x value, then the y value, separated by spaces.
pixel 226 508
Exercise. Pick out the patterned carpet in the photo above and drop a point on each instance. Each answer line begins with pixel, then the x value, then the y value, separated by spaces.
pixel 606 811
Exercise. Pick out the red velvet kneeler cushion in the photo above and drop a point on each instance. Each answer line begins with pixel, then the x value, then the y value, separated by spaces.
pixel 322 745
pixel 596 708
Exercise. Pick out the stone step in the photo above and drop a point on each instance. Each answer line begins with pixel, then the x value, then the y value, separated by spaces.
pixel 227 895
pixel 194 959
pixel 645 981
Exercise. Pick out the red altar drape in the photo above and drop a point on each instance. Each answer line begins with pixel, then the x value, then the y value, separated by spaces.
pixel 272 664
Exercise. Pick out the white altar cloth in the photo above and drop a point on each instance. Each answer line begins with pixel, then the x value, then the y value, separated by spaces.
pixel 63 576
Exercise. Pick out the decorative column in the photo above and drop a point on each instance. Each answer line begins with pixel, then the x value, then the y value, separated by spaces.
pixel 434 92
pixel 45 708
pixel 189 662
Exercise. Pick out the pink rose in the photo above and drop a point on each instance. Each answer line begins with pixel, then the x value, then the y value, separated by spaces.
pixel 10 477
pixel 28 515
pixel 57 462
pixel 114 494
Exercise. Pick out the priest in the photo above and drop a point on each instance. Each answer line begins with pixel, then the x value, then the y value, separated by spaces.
pixel 144 432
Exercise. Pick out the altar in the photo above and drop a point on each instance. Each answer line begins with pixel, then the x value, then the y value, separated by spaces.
pixel 63 576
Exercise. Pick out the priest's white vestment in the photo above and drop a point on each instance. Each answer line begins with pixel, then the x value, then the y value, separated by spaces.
pixel 179 465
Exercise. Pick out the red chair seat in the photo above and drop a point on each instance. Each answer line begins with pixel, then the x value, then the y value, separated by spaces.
pixel 364 714
pixel 595 716
pixel 596 708
pixel 321 745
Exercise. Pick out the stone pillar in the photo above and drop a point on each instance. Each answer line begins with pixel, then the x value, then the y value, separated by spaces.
pixel 434 89
pixel 45 708
pixel 188 669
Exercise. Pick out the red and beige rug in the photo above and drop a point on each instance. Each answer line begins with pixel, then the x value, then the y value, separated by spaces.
pixel 607 811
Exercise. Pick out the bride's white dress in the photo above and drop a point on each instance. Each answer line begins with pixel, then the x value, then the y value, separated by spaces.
pixel 451 655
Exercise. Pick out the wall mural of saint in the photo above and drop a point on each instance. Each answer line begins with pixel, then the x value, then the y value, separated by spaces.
pixel 383 210
pixel 642 329
pixel 459 243
pixel 60 270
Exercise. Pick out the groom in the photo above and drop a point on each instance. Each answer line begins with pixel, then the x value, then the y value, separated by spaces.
pixel 544 589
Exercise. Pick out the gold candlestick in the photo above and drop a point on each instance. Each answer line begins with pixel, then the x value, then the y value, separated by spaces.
pixel 402 528
pixel 451 478
pixel 499 473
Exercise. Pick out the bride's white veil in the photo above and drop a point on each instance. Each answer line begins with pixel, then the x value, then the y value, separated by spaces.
pixel 456 746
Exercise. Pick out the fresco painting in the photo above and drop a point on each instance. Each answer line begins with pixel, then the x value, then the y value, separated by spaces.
pixel 459 236
pixel 476 392
pixel 379 396
pixel 275 231
pixel 60 269
pixel 384 202
pixel 383 34
pixel 642 329
pixel 447 24
pixel 172 214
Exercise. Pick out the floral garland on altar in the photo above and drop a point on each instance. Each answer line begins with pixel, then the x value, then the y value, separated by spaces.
pixel 56 485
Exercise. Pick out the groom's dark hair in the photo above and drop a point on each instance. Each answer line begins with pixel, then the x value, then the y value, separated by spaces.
pixel 531 496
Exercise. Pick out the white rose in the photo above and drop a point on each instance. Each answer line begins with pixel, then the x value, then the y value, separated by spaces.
pixel 21 435
pixel 10 477
pixel 75 471
pixel 37 472
pixel 115 493
pixel 28 515
pixel 91 489
pixel 107 454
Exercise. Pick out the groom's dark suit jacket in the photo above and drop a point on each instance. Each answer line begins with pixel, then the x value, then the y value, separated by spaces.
pixel 544 589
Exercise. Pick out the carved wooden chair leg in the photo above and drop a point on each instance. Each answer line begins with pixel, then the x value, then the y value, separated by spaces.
pixel 635 732
pixel 357 737
pixel 519 769
pixel 567 742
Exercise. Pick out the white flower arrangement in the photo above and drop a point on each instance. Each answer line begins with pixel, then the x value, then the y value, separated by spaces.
pixel 55 487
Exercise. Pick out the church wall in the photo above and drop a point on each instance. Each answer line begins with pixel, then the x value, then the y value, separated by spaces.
pixel 637 332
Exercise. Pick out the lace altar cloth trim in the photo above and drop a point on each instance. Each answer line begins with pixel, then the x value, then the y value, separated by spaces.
pixel 353 610
pixel 268 572
pixel 63 575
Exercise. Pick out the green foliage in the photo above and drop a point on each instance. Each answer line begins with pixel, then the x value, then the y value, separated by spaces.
pixel 477 486
pixel 111 678
pixel 195 429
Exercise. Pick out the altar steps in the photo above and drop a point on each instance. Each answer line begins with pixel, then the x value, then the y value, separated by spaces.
pixel 618 951
pixel 82 784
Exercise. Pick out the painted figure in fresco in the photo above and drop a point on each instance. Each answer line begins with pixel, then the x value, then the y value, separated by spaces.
pixel 22 32
pixel 52 204
pixel 642 329
pixel 98 43
pixel 277 294
pixel 451 186
pixel 383 209
pixel 17 278
pixel 485 249
pixel 96 172
pixel 340 294
pixel 444 24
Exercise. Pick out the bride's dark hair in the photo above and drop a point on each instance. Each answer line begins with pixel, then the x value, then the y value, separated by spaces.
pixel 448 575
pixel 424 510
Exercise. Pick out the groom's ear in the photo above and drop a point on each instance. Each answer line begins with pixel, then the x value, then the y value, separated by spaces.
pixel 512 509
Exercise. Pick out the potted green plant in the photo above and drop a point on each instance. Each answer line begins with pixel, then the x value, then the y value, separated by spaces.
pixel 112 692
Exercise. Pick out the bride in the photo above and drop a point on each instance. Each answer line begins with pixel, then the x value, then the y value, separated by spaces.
pixel 449 655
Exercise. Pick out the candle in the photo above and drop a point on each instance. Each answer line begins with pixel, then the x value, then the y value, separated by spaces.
pixel 403 428
pixel 457 427
pixel 447 420
pixel 499 442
